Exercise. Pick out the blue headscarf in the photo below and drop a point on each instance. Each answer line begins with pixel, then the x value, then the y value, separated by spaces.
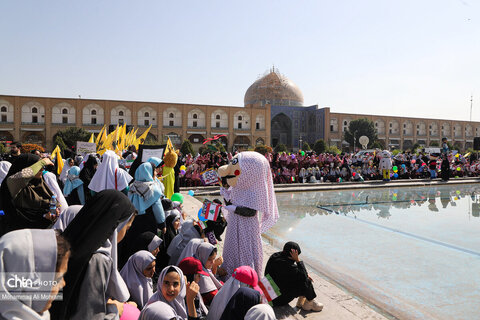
pixel 155 161
pixel 144 192
pixel 73 181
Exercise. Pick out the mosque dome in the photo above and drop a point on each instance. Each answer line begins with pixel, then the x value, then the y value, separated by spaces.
pixel 275 89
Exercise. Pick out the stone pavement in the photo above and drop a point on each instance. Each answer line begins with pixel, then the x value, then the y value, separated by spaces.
pixel 338 304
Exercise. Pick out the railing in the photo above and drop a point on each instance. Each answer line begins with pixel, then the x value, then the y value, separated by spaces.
pixel 196 127
pixel 34 123
pixel 242 129
pixel 93 125
pixel 173 127
pixel 144 126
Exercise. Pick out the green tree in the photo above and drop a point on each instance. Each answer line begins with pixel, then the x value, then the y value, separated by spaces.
pixel 71 135
pixel 186 147
pixel 220 147
pixel 434 144
pixel 333 150
pixel 358 128
pixel 378 145
pixel 58 141
pixel 3 149
pixel 263 149
pixel 306 146
pixel 320 146
pixel 280 148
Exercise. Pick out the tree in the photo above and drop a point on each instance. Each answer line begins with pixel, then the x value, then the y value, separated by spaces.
pixel 358 128
pixel 434 144
pixel 333 150
pixel 378 145
pixel 306 146
pixel 263 149
pixel 71 135
pixel 29 147
pixel 3 149
pixel 320 146
pixel 58 141
pixel 220 147
pixel 280 148
pixel 186 147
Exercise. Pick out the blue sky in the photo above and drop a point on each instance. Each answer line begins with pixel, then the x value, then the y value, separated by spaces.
pixel 405 58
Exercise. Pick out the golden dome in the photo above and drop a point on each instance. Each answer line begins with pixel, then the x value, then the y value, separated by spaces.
pixel 275 89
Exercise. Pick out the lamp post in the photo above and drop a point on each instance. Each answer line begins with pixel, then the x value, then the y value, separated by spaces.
pixel 354 133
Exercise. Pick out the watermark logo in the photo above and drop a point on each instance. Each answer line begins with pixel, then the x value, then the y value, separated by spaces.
pixel 31 286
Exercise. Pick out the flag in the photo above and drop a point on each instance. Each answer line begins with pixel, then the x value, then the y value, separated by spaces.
pixel 269 288
pixel 122 136
pixel 209 176
pixel 99 136
pixel 142 138
pixel 202 224
pixel 210 210
pixel 57 154
pixel 92 138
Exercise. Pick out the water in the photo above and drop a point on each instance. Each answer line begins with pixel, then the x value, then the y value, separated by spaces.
pixel 414 252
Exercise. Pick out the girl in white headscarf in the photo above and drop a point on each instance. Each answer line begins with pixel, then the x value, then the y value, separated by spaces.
pixel 4 167
pixel 138 273
pixel 31 253
pixel 109 175
pixel 66 217
pixel 158 310
pixel 188 232
pixel 209 286
pixel 260 312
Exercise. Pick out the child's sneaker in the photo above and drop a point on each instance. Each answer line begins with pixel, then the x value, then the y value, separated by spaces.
pixel 312 305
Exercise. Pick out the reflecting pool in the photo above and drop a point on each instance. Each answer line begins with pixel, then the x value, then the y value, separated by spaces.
pixel 414 252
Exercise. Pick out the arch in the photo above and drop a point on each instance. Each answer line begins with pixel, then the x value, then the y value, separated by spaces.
pixel 93 115
pixel 445 129
pixel 469 130
pixel 334 125
pixel 196 118
pixel 281 130
pixel 433 129
pixel 457 130
pixel 196 138
pixel 260 141
pixel 241 141
pixel 408 128
pixel 380 126
pixel 172 117
pixel 6 111
pixel 147 116
pixel 393 127
pixel 219 119
pixel 121 114
pixel 63 112
pixel 28 114
pixel 5 137
pixel 345 124
pixel 260 122
pixel 241 120
pixel 421 128
pixel 33 137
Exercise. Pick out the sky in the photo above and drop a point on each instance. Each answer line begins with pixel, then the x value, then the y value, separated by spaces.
pixel 414 58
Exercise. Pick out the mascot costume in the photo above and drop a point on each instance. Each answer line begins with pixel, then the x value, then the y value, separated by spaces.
pixel 170 159
pixel 247 187
pixel 385 164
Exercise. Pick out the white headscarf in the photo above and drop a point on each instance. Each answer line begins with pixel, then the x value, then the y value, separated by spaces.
pixel 116 287
pixel 221 299
pixel 178 304
pixel 30 253
pixel 104 177
pixel 4 167
pixel 66 167
pixel 51 181
pixel 140 287
pixel 190 249
pixel 158 310
pixel 254 188
pixel 187 233
pixel 66 217
pixel 260 312
pixel 210 283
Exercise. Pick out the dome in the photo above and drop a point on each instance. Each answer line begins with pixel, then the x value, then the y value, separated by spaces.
pixel 275 89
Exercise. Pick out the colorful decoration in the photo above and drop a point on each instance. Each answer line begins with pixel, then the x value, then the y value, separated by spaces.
pixel 210 210
pixel 209 176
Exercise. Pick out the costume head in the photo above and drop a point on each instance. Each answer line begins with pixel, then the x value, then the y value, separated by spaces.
pixel 252 185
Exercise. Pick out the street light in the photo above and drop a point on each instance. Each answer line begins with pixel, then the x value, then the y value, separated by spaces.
pixel 354 133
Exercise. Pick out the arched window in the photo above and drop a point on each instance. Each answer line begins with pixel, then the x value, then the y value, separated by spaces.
pixel 120 113
pixel 171 115
pixel 217 117
pixel 94 112
pixel 4 109
pixel 195 116
pixel 34 110
pixel 147 114
pixel 65 111
pixel 239 118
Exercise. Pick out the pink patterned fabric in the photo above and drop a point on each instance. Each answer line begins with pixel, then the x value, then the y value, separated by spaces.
pixel 254 190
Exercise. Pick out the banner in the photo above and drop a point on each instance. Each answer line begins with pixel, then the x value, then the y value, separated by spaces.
pixel 86 147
